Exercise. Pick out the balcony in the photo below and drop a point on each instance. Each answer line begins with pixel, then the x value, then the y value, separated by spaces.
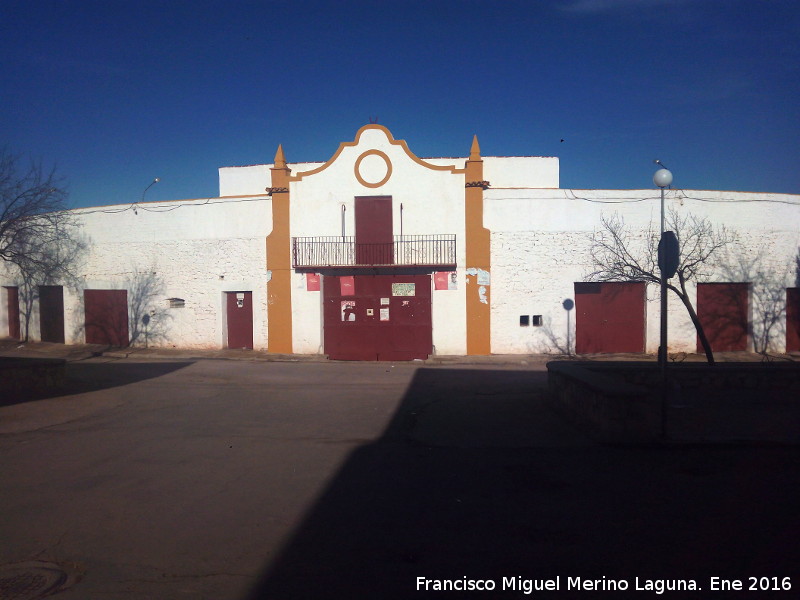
pixel 438 250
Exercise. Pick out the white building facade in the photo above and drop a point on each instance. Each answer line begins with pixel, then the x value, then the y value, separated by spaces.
pixel 377 254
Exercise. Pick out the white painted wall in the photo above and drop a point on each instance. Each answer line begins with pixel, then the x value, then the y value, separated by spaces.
pixel 252 180
pixel 197 249
pixel 539 241
pixel 4 313
pixel 540 247
pixel 500 171
pixel 521 171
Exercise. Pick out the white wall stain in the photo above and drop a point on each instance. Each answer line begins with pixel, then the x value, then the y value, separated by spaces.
pixel 482 294
pixel 482 275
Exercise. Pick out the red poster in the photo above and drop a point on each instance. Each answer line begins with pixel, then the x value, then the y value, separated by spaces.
pixel 347 285
pixel 444 280
pixel 312 282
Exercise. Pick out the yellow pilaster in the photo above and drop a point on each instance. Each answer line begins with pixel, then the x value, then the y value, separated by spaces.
pixel 478 257
pixel 279 262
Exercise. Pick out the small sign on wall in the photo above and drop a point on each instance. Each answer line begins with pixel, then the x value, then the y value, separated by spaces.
pixel 312 282
pixel 403 289
pixel 384 314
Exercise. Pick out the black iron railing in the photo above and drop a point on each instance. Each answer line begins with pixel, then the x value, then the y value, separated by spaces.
pixel 404 250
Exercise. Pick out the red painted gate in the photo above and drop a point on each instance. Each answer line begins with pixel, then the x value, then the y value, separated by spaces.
pixel 723 311
pixel 377 317
pixel 51 313
pixel 793 320
pixel 240 319
pixel 106 314
pixel 13 312
pixel 609 317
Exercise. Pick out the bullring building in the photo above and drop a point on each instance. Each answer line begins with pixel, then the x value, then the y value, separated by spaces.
pixel 378 254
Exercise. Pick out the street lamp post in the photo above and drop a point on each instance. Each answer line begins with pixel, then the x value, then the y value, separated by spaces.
pixel 157 179
pixel 662 179
pixel 135 204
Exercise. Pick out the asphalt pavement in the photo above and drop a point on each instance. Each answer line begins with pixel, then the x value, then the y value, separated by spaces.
pixel 195 477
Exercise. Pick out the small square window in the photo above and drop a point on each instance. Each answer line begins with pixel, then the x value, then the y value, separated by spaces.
pixel 524 320
pixel 536 320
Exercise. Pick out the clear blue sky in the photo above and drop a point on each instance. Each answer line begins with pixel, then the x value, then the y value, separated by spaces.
pixel 117 93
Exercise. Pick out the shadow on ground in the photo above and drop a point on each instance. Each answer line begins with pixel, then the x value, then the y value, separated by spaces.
pixel 475 478
pixel 97 374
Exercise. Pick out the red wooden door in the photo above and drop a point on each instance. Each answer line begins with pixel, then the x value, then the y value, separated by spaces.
pixel 106 314
pixel 374 241
pixel 609 317
pixel 793 320
pixel 51 313
pixel 723 312
pixel 240 319
pixel 382 317
pixel 13 312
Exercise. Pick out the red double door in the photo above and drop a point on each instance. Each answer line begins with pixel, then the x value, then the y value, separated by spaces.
pixel 377 317
pixel 723 309
pixel 610 317
pixel 106 313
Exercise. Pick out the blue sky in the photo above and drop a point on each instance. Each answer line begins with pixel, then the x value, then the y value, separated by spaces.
pixel 116 93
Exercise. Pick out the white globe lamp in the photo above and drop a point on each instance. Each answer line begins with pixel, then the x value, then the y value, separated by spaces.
pixel 662 178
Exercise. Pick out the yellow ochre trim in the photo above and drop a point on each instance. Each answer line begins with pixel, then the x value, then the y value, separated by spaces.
pixel 392 141
pixel 478 256
pixel 357 168
pixel 279 263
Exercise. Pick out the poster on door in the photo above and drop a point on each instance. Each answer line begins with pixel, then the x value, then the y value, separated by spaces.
pixel 445 280
pixel 347 285
pixel 348 310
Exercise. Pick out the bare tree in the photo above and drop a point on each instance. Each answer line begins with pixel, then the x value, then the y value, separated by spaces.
pixel 555 343
pixel 55 260
pixel 39 237
pixel 32 209
pixel 768 282
pixel 620 255
pixel 148 319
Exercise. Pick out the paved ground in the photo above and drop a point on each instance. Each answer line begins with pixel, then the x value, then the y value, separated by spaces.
pixel 236 479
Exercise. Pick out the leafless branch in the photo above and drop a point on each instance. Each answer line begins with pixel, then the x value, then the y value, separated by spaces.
pixel 618 254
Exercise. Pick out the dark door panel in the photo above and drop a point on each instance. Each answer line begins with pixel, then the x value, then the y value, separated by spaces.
pixel 723 311
pixel 609 317
pixel 374 232
pixel 13 312
pixel 239 308
pixel 51 313
pixel 793 320
pixel 106 314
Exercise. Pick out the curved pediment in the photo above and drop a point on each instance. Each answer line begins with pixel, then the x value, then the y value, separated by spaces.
pixel 370 148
